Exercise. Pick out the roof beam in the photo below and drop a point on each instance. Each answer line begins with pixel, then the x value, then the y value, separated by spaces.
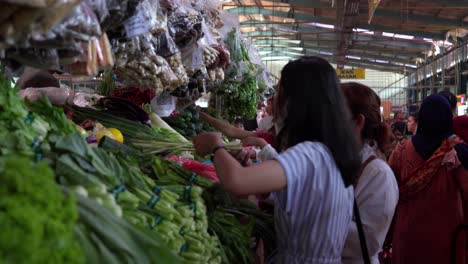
pixel 327 20
pixel 406 50
pixel 382 12
pixel 332 59
pixel 315 50
pixel 422 19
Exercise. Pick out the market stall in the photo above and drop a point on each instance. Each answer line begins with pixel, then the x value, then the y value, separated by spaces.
pixel 102 169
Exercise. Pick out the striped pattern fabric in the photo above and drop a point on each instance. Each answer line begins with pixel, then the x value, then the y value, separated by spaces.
pixel 313 212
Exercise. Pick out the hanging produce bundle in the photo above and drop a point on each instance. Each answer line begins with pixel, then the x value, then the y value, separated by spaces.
pixel 138 64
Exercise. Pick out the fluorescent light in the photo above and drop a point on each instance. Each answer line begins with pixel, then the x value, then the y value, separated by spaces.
pixel 353 57
pixel 386 34
pixel 411 66
pixel 315 24
pixel 277 58
pixel 403 36
pixel 325 53
pixel 381 61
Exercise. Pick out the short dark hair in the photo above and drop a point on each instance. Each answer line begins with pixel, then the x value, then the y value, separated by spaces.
pixel 39 79
pixel 316 111
pixel 239 121
pixel 399 126
pixel 451 98
pixel 415 116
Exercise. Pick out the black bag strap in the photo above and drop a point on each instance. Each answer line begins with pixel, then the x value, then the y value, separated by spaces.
pixel 362 236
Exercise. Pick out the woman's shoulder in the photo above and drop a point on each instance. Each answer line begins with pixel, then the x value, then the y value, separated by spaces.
pixel 313 148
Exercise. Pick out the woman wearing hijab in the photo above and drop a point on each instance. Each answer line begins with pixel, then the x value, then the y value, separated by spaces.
pixel 430 177
pixel 311 180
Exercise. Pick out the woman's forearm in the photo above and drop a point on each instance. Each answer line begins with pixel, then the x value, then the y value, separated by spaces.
pixel 226 128
pixel 264 178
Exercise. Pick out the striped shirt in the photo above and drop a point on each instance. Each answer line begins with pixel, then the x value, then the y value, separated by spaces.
pixel 313 212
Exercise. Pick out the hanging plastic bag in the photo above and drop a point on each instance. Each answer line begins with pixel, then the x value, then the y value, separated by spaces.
pixel 80 24
pixel 144 20
pixel 163 105
pixel 185 25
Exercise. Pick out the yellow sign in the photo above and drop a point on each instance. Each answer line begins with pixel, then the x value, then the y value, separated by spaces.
pixel 351 73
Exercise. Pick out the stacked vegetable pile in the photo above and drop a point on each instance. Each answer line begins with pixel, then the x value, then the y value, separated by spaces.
pixel 188 123
pixel 37 219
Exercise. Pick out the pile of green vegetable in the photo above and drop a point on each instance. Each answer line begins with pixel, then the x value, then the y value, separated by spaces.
pixel 188 123
pixel 21 131
pixel 36 219
pixel 130 206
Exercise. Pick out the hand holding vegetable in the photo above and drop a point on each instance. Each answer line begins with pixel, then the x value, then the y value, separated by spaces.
pixel 244 156
pixel 254 142
pixel 206 142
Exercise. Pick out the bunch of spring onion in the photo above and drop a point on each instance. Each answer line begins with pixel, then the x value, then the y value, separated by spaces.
pixel 149 140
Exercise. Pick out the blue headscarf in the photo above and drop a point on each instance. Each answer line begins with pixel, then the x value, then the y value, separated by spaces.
pixel 435 124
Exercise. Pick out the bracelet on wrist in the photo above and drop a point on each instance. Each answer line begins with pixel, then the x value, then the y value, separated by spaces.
pixel 215 149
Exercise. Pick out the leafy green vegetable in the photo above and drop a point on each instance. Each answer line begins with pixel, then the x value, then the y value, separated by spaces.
pixel 59 124
pixel 107 85
pixel 36 219
pixel 109 239
pixel 22 132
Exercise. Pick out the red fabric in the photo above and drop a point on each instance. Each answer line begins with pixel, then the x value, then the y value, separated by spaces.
pixel 268 136
pixel 430 206
pixel 206 170
pixel 460 127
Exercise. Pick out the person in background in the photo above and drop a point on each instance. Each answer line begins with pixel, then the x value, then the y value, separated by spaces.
pixel 429 173
pixel 266 123
pixel 34 78
pixel 398 136
pixel 376 192
pixel 452 99
pixel 412 123
pixel 398 117
pixel 239 123
pixel 311 180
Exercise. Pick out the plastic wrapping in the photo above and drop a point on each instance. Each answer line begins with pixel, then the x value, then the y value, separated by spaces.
pixel 168 5
pixel 144 20
pixel 185 26
pixel 165 45
pixel 80 24
pixel 19 22
pixel 139 65
pixel 206 170
pixel 163 105
pixel 100 8
pixel 175 61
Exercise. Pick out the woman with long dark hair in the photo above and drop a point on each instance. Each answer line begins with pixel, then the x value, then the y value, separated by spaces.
pixel 429 173
pixel 376 192
pixel 311 180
